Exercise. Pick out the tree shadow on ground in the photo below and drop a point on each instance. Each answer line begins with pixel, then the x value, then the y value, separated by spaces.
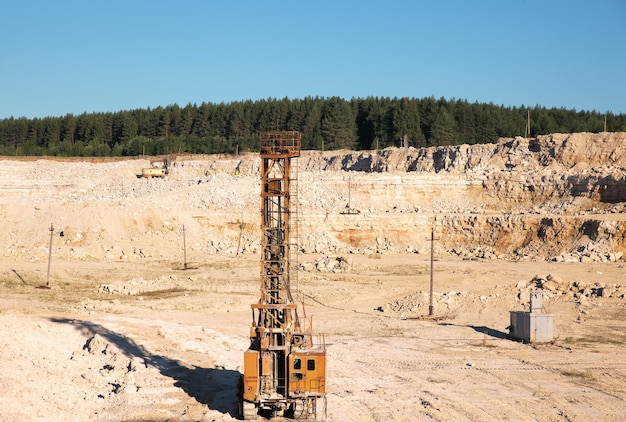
pixel 214 387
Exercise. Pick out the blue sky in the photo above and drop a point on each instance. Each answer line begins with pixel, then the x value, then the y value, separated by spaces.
pixel 75 56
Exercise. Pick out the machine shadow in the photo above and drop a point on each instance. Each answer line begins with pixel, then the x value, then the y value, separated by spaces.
pixel 490 331
pixel 214 387
pixel 481 329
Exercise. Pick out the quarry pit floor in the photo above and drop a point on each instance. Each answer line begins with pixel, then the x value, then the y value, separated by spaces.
pixel 121 341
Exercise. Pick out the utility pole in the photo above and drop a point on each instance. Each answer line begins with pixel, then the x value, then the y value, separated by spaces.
pixel 242 226
pixel 349 188
pixel 184 249
pixel 49 256
pixel 432 259
pixel 405 141
pixel 185 265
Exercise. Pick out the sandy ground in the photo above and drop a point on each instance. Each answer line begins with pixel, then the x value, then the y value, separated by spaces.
pixel 131 336
pixel 75 353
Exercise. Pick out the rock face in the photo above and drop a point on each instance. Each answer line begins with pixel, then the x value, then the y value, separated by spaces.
pixel 556 197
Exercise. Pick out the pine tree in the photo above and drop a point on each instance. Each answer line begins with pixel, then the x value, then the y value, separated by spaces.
pixel 338 125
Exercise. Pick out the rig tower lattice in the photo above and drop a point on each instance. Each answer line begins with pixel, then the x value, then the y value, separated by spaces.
pixel 285 365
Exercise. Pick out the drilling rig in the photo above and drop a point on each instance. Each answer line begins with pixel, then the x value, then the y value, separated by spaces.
pixel 285 365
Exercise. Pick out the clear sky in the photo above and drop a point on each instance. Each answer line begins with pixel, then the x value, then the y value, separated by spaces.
pixel 75 56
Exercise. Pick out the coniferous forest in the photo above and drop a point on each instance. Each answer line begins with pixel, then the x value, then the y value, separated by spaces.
pixel 326 124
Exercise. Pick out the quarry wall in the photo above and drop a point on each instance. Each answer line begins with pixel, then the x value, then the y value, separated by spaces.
pixel 554 197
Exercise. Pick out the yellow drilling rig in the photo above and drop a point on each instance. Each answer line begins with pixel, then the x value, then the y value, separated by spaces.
pixel 285 365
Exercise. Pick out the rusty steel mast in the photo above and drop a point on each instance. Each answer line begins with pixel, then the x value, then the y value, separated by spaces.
pixel 285 366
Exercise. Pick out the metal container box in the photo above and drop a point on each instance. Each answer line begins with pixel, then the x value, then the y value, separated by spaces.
pixel 531 327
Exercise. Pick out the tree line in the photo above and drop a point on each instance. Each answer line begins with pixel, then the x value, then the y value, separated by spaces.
pixel 328 123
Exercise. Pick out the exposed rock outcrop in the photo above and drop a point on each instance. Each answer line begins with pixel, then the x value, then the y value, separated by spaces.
pixel 559 196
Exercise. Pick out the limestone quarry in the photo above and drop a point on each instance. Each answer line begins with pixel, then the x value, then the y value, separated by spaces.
pixel 123 331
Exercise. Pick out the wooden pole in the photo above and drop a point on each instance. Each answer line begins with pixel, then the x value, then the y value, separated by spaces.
pixel 49 255
pixel 349 188
pixel 242 226
pixel 432 242
pixel 184 249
